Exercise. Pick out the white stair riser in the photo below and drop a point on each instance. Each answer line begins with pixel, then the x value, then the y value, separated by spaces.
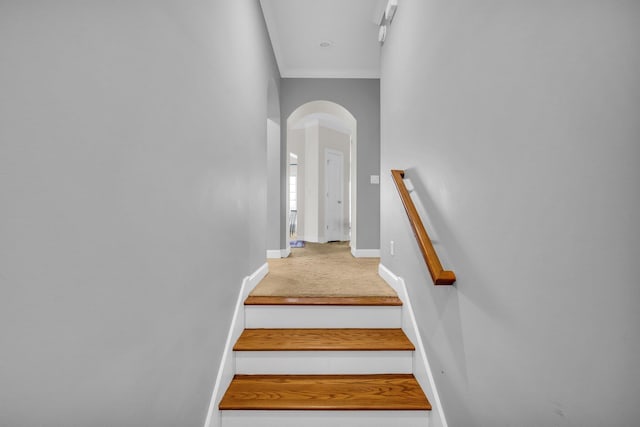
pixel 324 362
pixel 325 418
pixel 291 316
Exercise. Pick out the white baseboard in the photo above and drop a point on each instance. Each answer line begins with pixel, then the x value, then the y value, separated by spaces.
pixel 365 253
pixel 227 368
pixel 421 369
pixel 278 253
pixel 274 253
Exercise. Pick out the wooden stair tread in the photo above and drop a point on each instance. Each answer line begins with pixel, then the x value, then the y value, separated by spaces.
pixel 323 339
pixel 325 392
pixel 366 300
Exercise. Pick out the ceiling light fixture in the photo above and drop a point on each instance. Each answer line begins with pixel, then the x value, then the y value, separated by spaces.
pixel 386 18
pixel 390 10
pixel 382 33
pixel 326 43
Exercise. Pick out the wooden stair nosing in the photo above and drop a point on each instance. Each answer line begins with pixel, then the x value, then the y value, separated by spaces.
pixel 324 339
pixel 331 301
pixel 325 392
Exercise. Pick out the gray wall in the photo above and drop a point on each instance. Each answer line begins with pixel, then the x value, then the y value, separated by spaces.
pixel 362 98
pixel 519 125
pixel 132 191
pixel 273 186
pixel 274 149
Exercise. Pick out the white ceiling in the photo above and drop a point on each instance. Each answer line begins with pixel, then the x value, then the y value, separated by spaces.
pixel 298 27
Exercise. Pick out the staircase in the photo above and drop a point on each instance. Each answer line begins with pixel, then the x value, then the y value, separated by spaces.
pixel 342 362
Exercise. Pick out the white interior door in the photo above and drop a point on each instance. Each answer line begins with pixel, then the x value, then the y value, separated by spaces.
pixel 334 195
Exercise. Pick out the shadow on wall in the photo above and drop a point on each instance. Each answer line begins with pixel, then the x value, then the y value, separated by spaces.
pixel 434 220
pixel 444 300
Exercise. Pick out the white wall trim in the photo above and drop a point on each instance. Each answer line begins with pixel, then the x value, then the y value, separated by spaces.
pixel 421 369
pixel 278 253
pixel 274 253
pixel 365 253
pixel 227 365
pixel 329 73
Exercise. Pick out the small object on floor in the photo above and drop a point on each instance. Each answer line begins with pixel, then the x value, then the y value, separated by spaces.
pixel 297 244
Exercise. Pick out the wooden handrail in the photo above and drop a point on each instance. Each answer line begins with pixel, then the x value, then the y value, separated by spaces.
pixel 438 274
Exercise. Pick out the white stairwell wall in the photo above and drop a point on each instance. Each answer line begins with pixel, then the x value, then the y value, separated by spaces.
pixel 311 362
pixel 535 200
pixel 421 368
pixel 227 365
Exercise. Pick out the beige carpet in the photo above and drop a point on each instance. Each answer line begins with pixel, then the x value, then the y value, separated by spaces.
pixel 323 270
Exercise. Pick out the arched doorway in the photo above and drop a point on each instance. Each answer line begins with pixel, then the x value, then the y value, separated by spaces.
pixel 322 137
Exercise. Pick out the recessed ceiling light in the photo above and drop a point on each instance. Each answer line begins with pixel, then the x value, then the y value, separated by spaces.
pixel 326 43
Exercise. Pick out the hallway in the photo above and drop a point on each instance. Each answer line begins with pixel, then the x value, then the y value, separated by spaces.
pixel 323 270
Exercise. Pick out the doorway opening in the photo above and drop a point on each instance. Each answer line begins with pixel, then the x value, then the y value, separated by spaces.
pixel 323 136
